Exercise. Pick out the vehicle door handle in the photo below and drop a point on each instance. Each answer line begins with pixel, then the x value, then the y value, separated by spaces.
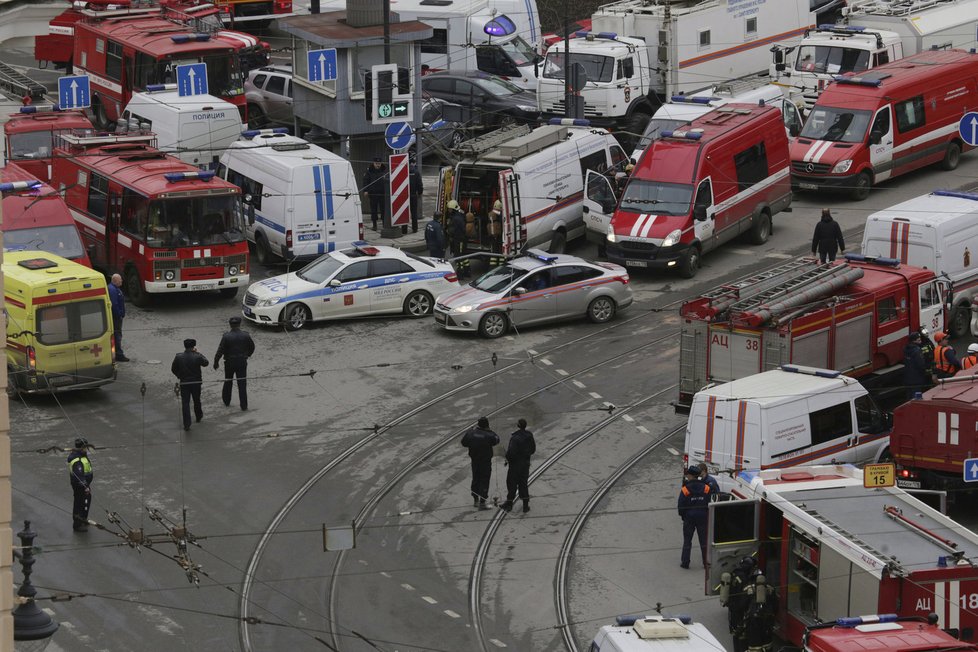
pixel 83 348
pixel 547 296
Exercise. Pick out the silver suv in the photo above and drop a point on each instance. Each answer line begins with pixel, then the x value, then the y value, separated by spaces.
pixel 268 92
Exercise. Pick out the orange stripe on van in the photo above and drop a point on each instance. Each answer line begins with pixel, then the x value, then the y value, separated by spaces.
pixel 749 45
pixel 13 302
pixel 68 296
pixel 711 411
pixel 741 428
pixel 894 231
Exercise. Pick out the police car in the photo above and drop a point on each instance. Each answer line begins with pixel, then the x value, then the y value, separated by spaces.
pixel 534 288
pixel 359 282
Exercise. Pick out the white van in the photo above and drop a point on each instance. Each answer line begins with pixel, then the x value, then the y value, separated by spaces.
pixel 935 231
pixel 654 634
pixel 300 200
pixel 786 417
pixel 196 128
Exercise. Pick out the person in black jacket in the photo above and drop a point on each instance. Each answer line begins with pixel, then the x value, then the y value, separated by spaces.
pixel 480 441
pixel 80 474
pixel 693 506
pixel 186 367
pixel 434 237
pixel 236 347
pixel 915 375
pixel 416 184
pixel 521 447
pixel 374 186
pixel 827 239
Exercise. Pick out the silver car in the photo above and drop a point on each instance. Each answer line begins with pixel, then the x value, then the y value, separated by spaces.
pixel 535 288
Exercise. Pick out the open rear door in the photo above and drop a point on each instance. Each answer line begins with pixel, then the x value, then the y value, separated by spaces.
pixel 732 535
pixel 446 177
pixel 514 229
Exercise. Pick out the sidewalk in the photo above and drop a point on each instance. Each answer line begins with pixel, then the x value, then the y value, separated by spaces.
pixel 412 242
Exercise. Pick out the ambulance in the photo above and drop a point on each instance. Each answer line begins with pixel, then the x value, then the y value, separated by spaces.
pixel 301 201
pixel 59 324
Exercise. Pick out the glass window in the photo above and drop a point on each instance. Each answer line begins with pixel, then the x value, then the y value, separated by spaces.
pixel 259 80
pixel 836 124
pixel 735 521
pixel 880 58
pixel 91 319
pixel 751 165
pixel 61 240
pixel 355 272
pixel 626 68
pixel 618 159
pixel 833 60
pixel 831 423
pixel 135 214
pixel 705 38
pixel 567 274
pixel 750 27
pixel 438 85
pixel 496 279
pixel 52 325
pixel 540 280
pixel 642 196
pixel 388 266
pixel 33 144
pixel 930 296
pixel 518 51
pixel 704 194
pixel 73 322
pixel 276 85
pixel 869 418
pixel 319 270
pixel 655 127
pixel 98 196
pixel 886 310
pixel 437 44
pixel 418 259
pixel 599 68
pixel 910 113
pixel 195 221
pixel 599 190
pixel 595 161
pixel 250 189
pixel 113 61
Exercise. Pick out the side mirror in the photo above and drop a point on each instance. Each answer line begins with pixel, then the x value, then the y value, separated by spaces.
pixel 779 67
pixel 335 283
pixel 519 291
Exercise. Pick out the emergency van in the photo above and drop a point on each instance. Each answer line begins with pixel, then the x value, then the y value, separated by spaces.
pixel 194 128
pixel 655 634
pixel 782 418
pixel 885 122
pixel 723 175
pixel 300 200
pixel 538 178
pixel 59 324
pixel 935 231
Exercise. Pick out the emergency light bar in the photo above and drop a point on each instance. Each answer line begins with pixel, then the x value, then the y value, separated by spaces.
pixel 17 186
pixel 959 195
pixel 628 621
pixel 251 133
pixel 186 38
pixel 570 122
pixel 858 81
pixel 840 28
pixel 865 620
pixel 590 36
pixel 40 108
pixel 688 135
pixel 694 100
pixel 541 256
pixel 877 260
pixel 810 371
pixel 155 88
pixel 366 249
pixel 203 175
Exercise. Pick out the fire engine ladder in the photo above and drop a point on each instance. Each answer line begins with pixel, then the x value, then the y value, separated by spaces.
pixel 723 295
pixel 843 533
pixel 20 85
pixel 812 276
pixel 492 140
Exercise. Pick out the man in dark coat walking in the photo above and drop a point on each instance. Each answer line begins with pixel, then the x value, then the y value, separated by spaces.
pixel 827 239
pixel 521 447
pixel 80 474
pixel 186 367
pixel 416 184
pixel 118 301
pixel 480 441
pixel 693 506
pixel 236 347
pixel 374 186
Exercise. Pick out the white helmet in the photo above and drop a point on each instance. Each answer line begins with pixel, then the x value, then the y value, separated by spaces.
pixel 973 347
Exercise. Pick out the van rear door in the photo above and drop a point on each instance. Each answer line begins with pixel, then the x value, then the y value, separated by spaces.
pixel 599 206
pixel 514 229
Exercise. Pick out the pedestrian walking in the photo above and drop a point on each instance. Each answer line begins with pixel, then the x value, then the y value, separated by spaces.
pixel 521 447
pixel 118 301
pixel 915 375
pixel 946 362
pixel 827 239
pixel 434 237
pixel 187 368
pixel 971 359
pixel 456 231
pixel 480 441
pixel 693 506
pixel 708 479
pixel 374 187
pixel 236 347
pixel 416 184
pixel 81 476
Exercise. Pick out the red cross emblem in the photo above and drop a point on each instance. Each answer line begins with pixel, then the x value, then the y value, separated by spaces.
pixel 96 350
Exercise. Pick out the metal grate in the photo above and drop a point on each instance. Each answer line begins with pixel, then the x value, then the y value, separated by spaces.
pixel 250 299
pixel 816 168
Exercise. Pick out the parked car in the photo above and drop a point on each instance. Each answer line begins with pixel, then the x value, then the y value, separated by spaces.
pixel 437 131
pixel 534 288
pixel 268 92
pixel 492 99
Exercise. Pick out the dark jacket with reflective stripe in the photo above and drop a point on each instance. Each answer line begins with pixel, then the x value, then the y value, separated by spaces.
pixel 694 499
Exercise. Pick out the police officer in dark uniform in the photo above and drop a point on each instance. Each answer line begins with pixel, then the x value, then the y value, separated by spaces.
pixel 81 476
pixel 374 186
pixel 693 506
pixel 236 347
pixel 480 441
pixel 186 367
pixel 521 447
pixel 916 378
pixel 434 237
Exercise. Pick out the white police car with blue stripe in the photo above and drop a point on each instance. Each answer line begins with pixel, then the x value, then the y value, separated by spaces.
pixel 359 282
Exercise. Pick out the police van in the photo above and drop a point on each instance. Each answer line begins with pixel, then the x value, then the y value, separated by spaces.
pixel 300 200
pixel 195 128
pixel 59 324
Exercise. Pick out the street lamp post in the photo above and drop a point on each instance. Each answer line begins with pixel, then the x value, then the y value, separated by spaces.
pixel 32 627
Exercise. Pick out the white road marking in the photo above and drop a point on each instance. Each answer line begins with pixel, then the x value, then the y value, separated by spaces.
pixel 497 642
pixel 578 383
pixel 531 352
pixel 595 395
pixel 673 451
pixel 546 362
pixel 561 372
pixel 385 574
pixel 407 587
pixel 627 418
pixel 643 429
pixel 363 561
pixel 451 614
pixel 429 599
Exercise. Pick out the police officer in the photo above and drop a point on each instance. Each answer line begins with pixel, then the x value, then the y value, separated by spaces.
pixel 456 230
pixel 693 506
pixel 480 441
pixel 915 375
pixel 946 363
pixel 373 185
pixel 81 476
pixel 236 347
pixel 970 360
pixel 434 237
pixel 186 367
pixel 521 447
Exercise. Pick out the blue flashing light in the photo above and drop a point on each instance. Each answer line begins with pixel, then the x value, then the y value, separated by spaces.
pixel 876 260
pixel 857 81
pixel 44 108
pixel 821 373
pixel 855 621
pixel 686 99
pixel 500 26
pixel 251 133
pixel 187 38
pixel 627 621
pixel 542 256
pixel 688 135
pixel 17 186
pixel 155 88
pixel 582 33
pixel 959 195
pixel 203 175
pixel 570 122
pixel 840 28
pixel 608 35
pixel 359 243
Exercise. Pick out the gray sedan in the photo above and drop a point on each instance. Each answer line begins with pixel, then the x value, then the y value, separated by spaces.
pixel 535 288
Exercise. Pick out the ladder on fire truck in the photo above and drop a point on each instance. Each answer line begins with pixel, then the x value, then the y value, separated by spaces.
pixel 492 140
pixel 800 282
pixel 19 85
pixel 722 297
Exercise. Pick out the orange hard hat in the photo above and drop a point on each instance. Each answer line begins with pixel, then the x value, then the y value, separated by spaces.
pixel 939 336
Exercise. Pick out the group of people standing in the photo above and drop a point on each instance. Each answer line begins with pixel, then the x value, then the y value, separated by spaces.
pixel 481 442
pixel 374 186
pixel 926 361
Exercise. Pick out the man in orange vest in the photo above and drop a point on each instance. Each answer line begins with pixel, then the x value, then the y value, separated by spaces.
pixel 970 360
pixel 946 363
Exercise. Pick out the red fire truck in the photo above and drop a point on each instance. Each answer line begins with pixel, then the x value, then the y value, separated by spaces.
pixel 163 224
pixel 853 316
pixel 36 217
pixel 122 50
pixel 882 633
pixel 30 135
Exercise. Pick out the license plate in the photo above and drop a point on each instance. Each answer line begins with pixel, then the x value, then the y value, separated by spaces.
pixel 248 312
pixel 305 237
pixel 60 380
pixel 205 286
pixel 440 318
pixel 808 186
pixel 636 263
pixel 908 484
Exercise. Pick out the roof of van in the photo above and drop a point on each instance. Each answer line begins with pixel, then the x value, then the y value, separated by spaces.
pixel 187 103
pixel 776 386
pixel 14 271
pixel 285 151
pixel 509 152
pixel 936 208
pixel 152 33
pixel 40 207
pixel 46 121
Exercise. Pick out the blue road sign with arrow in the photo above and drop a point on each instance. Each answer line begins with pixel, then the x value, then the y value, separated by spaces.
pixel 971 469
pixel 968 127
pixel 74 92
pixel 398 135
pixel 192 79
pixel 321 65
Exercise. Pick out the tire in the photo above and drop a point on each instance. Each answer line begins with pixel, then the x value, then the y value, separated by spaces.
pixel 690 263
pixel 861 187
pixel 228 293
pixel 457 139
pixel 134 288
pixel 256 117
pixel 418 304
pixel 959 325
pixel 101 117
pixel 558 244
pixel 886 456
pixel 493 325
pixel 761 230
pixel 296 316
pixel 601 310
pixel 952 156
pixel 262 251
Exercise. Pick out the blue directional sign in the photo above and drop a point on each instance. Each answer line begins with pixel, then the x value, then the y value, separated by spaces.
pixel 321 64
pixel 968 127
pixel 398 135
pixel 192 79
pixel 74 92
pixel 971 469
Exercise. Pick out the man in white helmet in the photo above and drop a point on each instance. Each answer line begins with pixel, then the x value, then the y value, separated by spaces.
pixel 971 359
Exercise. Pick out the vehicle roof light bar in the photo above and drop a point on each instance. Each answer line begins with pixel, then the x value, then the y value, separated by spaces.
pixel 203 175
pixel 156 88
pixel 251 133
pixel 570 122
pixel 40 108
pixel 687 135
pixel 876 260
pixel 187 38
pixel 959 195
pixel 686 99
pixel 542 256
pixel 857 81
pixel 17 186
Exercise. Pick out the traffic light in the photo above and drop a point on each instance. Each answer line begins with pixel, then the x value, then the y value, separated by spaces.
pixel 388 98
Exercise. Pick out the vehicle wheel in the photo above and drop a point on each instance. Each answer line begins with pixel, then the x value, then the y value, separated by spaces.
pixel 601 310
pixel 134 288
pixel 861 187
pixel 12 391
pixel 960 322
pixel 952 156
pixel 458 137
pixel 418 304
pixel 761 230
pixel 690 263
pixel 228 293
pixel 295 316
pixel 886 456
pixel 493 325
pixel 101 117
pixel 256 117
pixel 263 252
pixel 558 243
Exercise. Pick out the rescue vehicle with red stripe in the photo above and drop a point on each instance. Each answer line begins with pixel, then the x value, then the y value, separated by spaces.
pixel 31 132
pixel 885 122
pixel 836 548
pixel 723 175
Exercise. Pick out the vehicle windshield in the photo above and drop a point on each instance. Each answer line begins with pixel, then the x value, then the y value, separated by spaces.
pixel 28 145
pixel 519 51
pixel 62 240
pixel 599 68
pixel 321 269
pixel 832 60
pixel 223 73
pixel 497 86
pixel 184 221
pixel 643 196
pixel 836 124
pixel 498 278
pixel 655 127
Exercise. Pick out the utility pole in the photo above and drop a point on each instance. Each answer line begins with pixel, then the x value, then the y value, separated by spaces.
pixel 6 503
pixel 568 111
